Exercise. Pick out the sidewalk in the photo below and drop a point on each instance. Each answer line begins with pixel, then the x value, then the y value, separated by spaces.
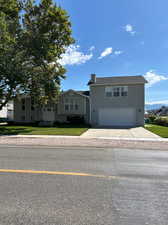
pixel 103 142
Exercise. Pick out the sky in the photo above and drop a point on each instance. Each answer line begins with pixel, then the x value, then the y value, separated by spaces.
pixel 116 38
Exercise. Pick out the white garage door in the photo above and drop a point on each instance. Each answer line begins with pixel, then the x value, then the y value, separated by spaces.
pixel 117 117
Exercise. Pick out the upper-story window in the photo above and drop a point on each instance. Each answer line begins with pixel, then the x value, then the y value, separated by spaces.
pixel 116 91
pixel 108 91
pixel 124 91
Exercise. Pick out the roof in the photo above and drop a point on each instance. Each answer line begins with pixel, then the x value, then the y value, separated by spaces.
pixel 82 93
pixel 119 80
pixel 87 93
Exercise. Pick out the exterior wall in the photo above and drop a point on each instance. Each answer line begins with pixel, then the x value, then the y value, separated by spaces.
pixel 48 112
pixel 87 116
pixel 51 112
pixel 28 115
pixel 134 99
pixel 81 101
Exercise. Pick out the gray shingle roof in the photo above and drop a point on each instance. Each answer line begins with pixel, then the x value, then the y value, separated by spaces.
pixel 87 93
pixel 119 80
pixel 84 93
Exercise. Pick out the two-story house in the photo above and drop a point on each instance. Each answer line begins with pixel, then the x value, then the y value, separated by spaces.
pixel 111 101
pixel 117 101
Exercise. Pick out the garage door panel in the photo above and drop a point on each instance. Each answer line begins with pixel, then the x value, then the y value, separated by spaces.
pixel 117 117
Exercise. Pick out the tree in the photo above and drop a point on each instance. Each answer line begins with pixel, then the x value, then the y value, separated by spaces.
pixel 12 72
pixel 29 62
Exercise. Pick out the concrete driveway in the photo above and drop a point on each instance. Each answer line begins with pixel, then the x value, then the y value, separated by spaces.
pixel 137 132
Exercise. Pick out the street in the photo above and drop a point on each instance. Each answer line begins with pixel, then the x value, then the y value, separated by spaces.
pixel 83 186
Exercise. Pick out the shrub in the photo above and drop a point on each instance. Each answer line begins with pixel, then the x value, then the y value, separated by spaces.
pixel 76 119
pixel 152 118
pixel 161 121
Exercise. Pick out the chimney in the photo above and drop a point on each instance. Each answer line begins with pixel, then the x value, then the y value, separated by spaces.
pixel 93 78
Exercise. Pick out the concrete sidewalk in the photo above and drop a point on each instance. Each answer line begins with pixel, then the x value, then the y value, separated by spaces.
pixel 73 141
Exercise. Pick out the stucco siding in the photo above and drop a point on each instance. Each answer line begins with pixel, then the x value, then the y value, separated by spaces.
pixel 135 99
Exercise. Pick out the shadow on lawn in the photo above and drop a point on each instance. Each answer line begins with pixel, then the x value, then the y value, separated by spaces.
pixel 13 131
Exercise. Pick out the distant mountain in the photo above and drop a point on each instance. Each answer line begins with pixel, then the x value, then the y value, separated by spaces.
pixel 154 106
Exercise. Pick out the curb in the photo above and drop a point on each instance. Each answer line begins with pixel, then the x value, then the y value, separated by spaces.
pixel 87 138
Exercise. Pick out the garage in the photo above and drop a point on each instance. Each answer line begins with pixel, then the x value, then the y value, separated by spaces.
pixel 117 117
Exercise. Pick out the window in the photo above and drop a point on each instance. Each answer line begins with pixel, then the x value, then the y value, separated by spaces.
pixel 23 101
pixel 71 106
pixel 116 91
pixel 76 107
pixel 108 91
pixel 124 91
pixel 66 107
pixel 23 104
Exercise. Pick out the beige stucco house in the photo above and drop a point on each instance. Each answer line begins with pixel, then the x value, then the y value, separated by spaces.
pixel 111 101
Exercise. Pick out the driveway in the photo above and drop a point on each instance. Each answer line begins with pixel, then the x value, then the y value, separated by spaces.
pixel 137 132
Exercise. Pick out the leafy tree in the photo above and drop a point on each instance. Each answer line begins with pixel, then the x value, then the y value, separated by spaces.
pixel 12 72
pixel 32 40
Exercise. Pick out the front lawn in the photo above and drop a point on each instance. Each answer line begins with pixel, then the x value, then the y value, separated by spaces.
pixel 70 130
pixel 159 130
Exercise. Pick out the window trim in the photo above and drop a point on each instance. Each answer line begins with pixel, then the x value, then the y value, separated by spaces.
pixel 121 92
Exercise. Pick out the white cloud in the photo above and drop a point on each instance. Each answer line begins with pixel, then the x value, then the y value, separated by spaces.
pixel 129 28
pixel 73 56
pixel 118 52
pixel 154 78
pixel 164 102
pixel 92 48
pixel 106 52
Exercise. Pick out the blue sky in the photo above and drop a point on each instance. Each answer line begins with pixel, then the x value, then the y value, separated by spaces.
pixel 118 37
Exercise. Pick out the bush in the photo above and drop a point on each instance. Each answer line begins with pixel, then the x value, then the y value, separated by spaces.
pixel 152 118
pixel 76 119
pixel 161 121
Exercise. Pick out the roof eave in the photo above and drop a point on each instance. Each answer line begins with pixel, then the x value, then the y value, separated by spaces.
pixel 94 84
pixel 75 93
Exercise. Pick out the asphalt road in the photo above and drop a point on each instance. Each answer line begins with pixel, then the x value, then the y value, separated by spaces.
pixel 87 187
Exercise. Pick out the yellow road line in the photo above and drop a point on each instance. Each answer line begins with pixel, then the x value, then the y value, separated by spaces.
pixel 55 173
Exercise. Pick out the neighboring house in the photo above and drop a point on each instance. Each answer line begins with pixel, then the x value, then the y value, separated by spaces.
pixel 10 111
pixel 70 104
pixel 111 101
pixel 162 111
pixel 5 110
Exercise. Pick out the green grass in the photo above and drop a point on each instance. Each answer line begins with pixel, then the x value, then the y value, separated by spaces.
pixel 70 130
pixel 159 130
